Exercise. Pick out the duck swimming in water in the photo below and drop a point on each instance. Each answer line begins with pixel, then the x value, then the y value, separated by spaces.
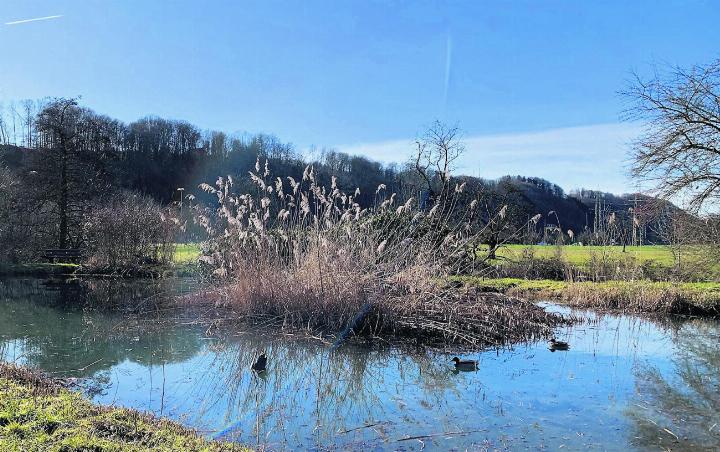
pixel 260 364
pixel 557 345
pixel 465 364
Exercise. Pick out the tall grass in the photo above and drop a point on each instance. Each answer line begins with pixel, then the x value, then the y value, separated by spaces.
pixel 303 255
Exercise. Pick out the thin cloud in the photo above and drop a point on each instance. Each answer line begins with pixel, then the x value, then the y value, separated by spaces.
pixel 448 66
pixel 593 156
pixel 35 19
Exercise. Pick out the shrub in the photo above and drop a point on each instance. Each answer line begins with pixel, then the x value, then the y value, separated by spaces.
pixel 129 232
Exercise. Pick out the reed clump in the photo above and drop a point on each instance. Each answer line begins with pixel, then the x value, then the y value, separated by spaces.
pixel 303 255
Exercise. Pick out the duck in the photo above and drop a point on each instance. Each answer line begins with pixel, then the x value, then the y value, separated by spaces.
pixel 557 345
pixel 261 364
pixel 465 364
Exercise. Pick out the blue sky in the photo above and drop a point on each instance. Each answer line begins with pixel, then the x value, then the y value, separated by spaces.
pixel 533 84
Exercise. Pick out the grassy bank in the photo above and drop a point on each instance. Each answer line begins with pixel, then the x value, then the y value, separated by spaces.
pixel 632 296
pixel 36 414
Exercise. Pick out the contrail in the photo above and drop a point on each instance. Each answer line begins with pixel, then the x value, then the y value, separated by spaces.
pixel 36 19
pixel 448 64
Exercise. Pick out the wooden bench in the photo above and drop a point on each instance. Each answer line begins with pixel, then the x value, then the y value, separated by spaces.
pixel 63 255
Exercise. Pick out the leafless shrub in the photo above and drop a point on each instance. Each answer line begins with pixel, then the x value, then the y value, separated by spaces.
pixel 129 232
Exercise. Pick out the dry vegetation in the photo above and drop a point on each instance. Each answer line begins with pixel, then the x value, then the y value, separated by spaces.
pixel 629 296
pixel 306 256
pixel 128 234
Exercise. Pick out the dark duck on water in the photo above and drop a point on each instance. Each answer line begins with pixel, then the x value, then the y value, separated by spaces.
pixel 465 364
pixel 557 345
pixel 260 364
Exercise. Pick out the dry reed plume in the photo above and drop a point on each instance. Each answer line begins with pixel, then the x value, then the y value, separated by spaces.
pixel 307 256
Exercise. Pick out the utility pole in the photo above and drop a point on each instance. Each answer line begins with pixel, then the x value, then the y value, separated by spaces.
pixel 180 202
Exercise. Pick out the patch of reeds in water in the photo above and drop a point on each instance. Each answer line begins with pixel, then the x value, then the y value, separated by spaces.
pixel 307 256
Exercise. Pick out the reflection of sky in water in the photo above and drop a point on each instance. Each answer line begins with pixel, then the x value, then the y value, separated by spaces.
pixel 526 397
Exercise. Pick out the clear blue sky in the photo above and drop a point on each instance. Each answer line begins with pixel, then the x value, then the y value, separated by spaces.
pixel 367 76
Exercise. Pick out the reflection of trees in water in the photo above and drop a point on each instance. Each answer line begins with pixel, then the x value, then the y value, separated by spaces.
pixel 83 328
pixel 79 327
pixel 682 410
pixel 329 392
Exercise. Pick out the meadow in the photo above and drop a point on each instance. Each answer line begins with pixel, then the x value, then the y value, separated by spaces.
pixel 572 254
pixel 186 253
pixel 660 255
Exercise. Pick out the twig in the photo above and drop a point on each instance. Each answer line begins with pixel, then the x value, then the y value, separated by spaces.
pixel 438 434
pixel 342 432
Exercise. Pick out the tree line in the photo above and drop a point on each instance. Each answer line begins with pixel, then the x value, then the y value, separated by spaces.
pixel 60 162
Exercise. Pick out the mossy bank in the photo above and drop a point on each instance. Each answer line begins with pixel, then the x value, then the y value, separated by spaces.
pixel 631 296
pixel 38 414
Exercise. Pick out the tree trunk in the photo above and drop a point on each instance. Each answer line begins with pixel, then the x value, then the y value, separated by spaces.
pixel 63 202
pixel 492 248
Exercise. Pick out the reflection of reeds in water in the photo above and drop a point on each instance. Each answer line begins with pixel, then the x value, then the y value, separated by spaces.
pixel 330 396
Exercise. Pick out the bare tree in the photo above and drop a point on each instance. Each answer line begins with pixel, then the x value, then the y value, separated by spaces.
pixel 4 137
pixel 679 151
pixel 28 118
pixel 435 157
pixel 68 171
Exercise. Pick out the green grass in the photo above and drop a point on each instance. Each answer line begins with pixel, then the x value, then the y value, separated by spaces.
pixel 636 296
pixel 581 255
pixel 185 260
pixel 186 253
pixel 38 415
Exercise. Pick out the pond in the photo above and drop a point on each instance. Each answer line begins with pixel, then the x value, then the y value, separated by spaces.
pixel 626 382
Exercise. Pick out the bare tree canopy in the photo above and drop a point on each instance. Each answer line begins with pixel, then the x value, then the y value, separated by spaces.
pixel 679 151
pixel 436 153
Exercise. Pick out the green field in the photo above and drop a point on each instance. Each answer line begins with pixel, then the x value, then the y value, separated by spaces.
pixel 658 255
pixel 581 255
pixel 186 253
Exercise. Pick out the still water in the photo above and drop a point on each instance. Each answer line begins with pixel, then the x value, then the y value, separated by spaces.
pixel 625 383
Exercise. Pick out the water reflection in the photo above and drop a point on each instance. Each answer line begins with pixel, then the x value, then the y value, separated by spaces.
pixel 152 357
pixel 79 327
pixel 682 408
